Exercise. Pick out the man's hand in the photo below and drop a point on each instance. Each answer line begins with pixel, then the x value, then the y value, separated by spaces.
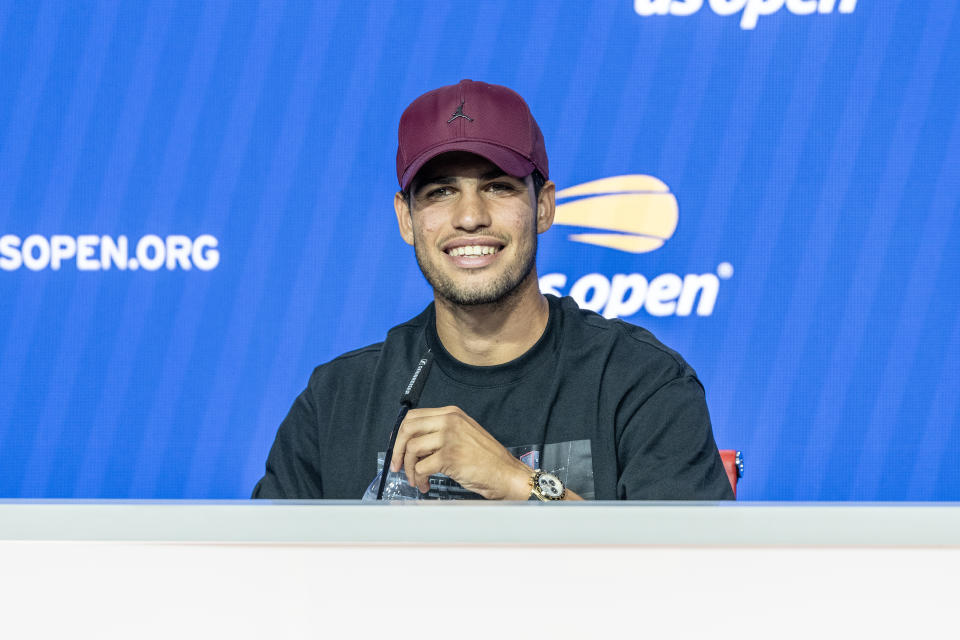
pixel 446 440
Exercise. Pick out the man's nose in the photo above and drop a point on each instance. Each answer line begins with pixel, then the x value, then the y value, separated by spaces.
pixel 471 212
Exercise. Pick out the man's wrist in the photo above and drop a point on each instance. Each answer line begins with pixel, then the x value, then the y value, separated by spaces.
pixel 520 486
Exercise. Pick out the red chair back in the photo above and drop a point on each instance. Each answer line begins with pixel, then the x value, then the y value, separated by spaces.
pixel 733 465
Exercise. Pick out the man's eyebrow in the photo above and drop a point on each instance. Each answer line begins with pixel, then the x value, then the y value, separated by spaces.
pixel 495 173
pixel 436 180
pixel 439 179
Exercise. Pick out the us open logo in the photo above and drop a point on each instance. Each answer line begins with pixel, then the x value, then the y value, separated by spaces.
pixel 750 10
pixel 632 214
pixel 90 252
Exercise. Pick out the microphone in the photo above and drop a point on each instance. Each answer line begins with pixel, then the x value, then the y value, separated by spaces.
pixel 409 400
pixel 411 395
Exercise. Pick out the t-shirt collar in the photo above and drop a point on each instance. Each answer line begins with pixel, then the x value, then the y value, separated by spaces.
pixel 542 353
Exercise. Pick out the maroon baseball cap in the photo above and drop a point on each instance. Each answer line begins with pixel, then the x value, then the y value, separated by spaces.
pixel 486 119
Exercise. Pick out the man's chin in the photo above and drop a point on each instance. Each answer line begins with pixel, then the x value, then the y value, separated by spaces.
pixel 463 298
pixel 496 292
pixel 486 285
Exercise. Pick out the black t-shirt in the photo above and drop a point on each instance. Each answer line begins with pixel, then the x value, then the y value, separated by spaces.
pixel 600 402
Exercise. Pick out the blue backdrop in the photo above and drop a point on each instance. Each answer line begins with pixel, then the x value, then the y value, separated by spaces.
pixel 196 209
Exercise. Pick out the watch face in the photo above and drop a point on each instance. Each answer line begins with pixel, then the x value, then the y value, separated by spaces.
pixel 550 485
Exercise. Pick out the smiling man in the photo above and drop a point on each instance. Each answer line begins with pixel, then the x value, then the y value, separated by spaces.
pixel 529 397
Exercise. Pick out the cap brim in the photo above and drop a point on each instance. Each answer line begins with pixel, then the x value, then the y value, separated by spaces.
pixel 509 160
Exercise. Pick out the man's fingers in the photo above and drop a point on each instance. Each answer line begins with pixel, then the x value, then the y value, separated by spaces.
pixel 428 466
pixel 409 428
pixel 417 448
pixel 398 447
pixel 433 411
pixel 427 431
pixel 409 462
pixel 416 423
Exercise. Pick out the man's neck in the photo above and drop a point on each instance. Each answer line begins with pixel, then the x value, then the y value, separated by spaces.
pixel 492 334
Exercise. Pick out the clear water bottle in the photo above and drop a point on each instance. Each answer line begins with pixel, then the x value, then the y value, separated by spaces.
pixel 396 488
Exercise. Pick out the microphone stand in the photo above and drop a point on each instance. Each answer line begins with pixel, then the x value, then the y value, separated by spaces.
pixel 409 399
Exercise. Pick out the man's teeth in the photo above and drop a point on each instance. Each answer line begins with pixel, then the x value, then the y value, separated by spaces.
pixel 473 250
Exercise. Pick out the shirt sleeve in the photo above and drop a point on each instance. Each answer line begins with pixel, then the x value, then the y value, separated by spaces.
pixel 292 467
pixel 666 450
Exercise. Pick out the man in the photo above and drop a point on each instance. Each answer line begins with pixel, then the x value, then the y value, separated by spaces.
pixel 528 396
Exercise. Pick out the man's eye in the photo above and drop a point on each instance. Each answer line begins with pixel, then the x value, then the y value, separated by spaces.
pixel 440 192
pixel 500 187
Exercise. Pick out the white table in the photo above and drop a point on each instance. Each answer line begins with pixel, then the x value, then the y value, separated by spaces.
pixel 341 569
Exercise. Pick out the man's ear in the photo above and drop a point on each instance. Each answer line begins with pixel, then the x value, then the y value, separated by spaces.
pixel 546 206
pixel 404 221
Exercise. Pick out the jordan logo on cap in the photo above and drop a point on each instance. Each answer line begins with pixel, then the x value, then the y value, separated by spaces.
pixel 459 114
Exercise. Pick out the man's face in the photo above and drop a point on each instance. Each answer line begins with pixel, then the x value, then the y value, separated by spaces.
pixel 474 228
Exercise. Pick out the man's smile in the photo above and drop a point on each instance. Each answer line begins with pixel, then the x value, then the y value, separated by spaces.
pixel 472 253
pixel 472 250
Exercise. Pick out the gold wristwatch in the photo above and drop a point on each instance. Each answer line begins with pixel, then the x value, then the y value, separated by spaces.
pixel 545 486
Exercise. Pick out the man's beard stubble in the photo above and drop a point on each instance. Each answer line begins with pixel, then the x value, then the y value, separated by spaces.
pixel 497 291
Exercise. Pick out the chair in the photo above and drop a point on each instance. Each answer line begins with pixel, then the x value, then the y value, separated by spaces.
pixel 733 465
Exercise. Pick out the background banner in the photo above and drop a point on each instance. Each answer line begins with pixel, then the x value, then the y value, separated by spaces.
pixel 196 210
